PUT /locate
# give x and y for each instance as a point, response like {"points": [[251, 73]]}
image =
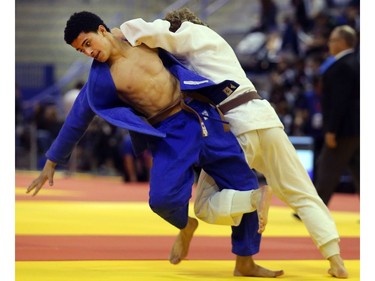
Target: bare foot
{"points": [[337, 269], [245, 266], [181, 245], [261, 201]]}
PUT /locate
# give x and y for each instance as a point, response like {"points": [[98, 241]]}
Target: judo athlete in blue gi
{"points": [[146, 91]]}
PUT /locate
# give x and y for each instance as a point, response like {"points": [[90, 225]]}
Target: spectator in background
{"points": [[48, 126], [19, 116], [87, 159], [268, 11], [268, 20], [108, 160], [70, 96], [341, 114], [68, 100], [18, 105], [136, 168], [290, 40], [301, 15], [22, 135], [350, 15], [91, 157]]}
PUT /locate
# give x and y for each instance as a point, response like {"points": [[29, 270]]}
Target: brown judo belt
{"points": [[166, 112], [172, 109], [180, 104], [241, 99]]}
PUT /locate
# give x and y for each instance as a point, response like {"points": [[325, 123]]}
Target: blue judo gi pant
{"points": [[219, 154]]}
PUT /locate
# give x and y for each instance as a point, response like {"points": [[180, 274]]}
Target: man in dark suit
{"points": [[341, 117]]}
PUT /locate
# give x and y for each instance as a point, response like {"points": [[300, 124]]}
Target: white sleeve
{"points": [[198, 47], [187, 39]]}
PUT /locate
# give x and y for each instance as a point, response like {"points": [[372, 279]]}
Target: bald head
{"points": [[342, 38]]}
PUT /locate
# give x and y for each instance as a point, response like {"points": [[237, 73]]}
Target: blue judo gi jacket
{"points": [[99, 97]]}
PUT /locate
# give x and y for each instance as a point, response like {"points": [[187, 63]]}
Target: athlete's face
{"points": [[93, 44]]}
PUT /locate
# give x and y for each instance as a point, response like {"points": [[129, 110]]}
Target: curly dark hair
{"points": [[82, 22], [177, 17]]}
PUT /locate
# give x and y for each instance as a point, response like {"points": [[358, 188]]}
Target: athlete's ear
{"points": [[102, 29]]}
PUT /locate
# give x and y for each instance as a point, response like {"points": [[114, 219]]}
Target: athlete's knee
{"points": [[171, 211], [164, 205], [216, 208]]}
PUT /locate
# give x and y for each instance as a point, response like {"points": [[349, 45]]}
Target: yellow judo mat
{"points": [[93, 218], [163, 271], [100, 218]]}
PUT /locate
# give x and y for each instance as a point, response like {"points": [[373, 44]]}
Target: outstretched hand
{"points": [[46, 174]]}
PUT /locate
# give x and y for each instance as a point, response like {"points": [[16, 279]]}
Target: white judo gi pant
{"points": [[279, 163]]}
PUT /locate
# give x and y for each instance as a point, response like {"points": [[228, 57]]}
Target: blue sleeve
{"points": [[73, 129]]}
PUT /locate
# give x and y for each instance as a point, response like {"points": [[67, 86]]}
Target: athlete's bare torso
{"points": [[142, 81]]}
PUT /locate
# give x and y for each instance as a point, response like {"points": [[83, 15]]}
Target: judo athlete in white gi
{"points": [[128, 85], [256, 126]]}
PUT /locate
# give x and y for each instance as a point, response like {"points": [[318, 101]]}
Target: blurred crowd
{"points": [[104, 149], [285, 57], [282, 56]]}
